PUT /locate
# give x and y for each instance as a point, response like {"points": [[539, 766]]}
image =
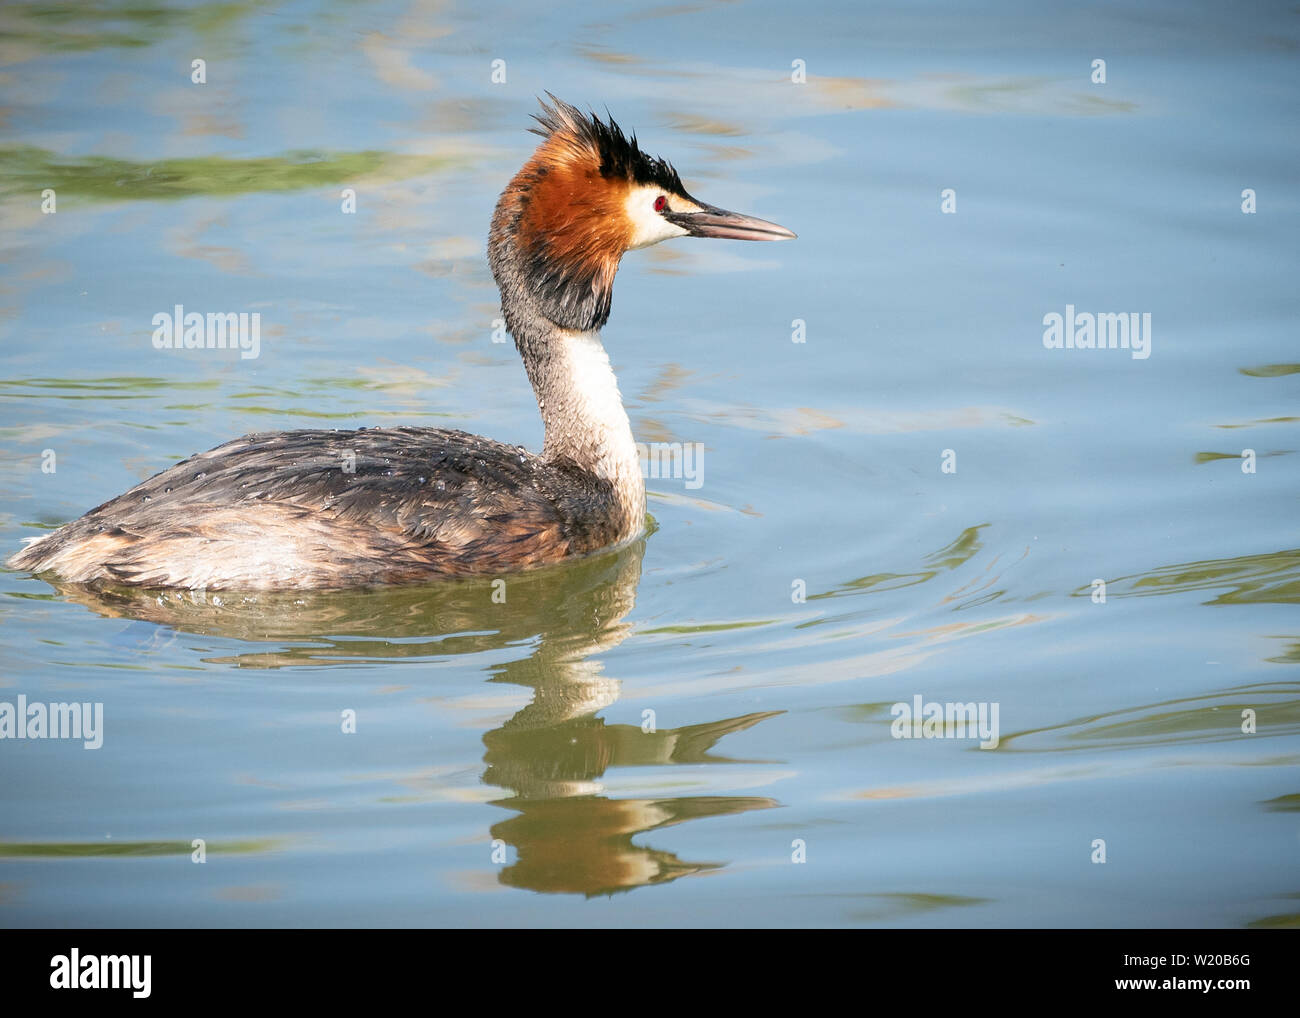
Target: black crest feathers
{"points": [[619, 155]]}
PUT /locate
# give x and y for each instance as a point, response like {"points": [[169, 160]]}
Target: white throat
{"points": [[584, 416]]}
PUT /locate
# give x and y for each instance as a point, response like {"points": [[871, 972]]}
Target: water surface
{"points": [[502, 770]]}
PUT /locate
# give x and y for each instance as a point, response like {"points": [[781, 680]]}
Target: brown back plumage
{"points": [[279, 510]]}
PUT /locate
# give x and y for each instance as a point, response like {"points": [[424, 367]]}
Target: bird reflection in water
{"points": [[567, 836]]}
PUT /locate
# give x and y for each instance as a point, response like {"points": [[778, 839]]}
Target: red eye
{"points": [[661, 203]]}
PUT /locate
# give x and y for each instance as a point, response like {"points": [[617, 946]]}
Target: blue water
{"points": [[501, 771]]}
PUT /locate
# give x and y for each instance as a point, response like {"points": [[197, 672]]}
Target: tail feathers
{"points": [[29, 555], [71, 552]]}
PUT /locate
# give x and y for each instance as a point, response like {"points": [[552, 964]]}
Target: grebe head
{"points": [[588, 195]]}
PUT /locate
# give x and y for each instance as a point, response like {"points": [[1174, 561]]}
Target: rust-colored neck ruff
{"points": [[558, 234]]}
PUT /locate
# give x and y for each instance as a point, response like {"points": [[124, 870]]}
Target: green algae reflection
{"points": [[86, 849], [100, 24], [25, 169], [1273, 578], [964, 548]]}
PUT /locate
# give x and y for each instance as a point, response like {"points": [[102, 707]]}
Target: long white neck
{"points": [[582, 410]]}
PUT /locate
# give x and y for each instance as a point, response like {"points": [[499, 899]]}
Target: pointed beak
{"points": [[713, 222]]}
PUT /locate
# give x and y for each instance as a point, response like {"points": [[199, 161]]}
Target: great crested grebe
{"points": [[326, 509]]}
